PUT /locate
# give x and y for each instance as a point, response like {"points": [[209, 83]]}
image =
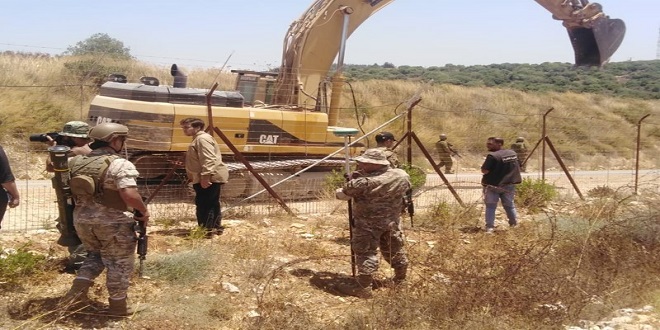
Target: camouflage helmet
{"points": [[520, 139], [78, 129], [107, 131], [443, 136]]}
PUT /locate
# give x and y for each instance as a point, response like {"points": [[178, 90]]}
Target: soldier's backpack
{"points": [[87, 174]]}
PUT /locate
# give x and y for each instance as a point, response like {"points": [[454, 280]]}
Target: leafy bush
{"points": [[334, 180], [534, 194], [417, 175], [17, 265]]}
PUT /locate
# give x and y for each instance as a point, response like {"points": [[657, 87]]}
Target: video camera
{"points": [[60, 139]]}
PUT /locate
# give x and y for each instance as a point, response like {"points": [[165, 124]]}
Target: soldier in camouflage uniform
{"points": [[377, 195], [384, 142], [74, 135], [106, 232], [521, 150], [445, 151]]}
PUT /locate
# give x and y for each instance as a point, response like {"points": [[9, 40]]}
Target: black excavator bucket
{"points": [[595, 46]]}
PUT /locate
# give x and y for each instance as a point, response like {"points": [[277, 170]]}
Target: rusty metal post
{"points": [[639, 131], [563, 167], [409, 131], [409, 136], [543, 136], [238, 155]]}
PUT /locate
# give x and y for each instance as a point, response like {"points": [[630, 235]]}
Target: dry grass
{"points": [[555, 269], [582, 126]]}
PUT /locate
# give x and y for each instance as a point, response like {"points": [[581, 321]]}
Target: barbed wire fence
{"points": [[38, 209]]}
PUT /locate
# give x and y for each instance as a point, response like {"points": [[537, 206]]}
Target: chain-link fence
{"points": [[174, 201]]}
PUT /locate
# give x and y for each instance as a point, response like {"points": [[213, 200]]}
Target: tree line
{"points": [[632, 79]]}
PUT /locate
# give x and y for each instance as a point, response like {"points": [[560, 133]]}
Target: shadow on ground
{"points": [[47, 311], [178, 232], [325, 281]]}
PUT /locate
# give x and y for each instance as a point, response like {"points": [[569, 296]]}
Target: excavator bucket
{"points": [[594, 46]]}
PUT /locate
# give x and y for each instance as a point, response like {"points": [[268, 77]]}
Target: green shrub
{"points": [[17, 265], [334, 180], [181, 268], [417, 175], [534, 194]]}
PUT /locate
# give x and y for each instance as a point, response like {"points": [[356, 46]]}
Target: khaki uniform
{"points": [[377, 204], [203, 159], [107, 233], [521, 150], [445, 151]]}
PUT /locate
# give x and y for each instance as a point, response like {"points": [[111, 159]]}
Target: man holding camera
{"points": [[74, 136]]}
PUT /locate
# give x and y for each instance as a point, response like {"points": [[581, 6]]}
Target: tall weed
{"points": [[534, 194]]}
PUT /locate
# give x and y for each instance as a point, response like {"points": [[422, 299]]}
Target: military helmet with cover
{"points": [[520, 139], [107, 131], [443, 136], [75, 128]]}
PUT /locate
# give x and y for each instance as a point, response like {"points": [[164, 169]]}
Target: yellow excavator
{"points": [[285, 120]]}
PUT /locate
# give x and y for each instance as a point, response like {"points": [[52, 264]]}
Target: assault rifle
{"points": [[142, 239]]}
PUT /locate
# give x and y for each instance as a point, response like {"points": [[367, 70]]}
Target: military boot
{"points": [[77, 293], [360, 288], [399, 275], [119, 307]]}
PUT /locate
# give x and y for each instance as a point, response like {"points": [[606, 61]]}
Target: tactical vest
{"points": [[87, 176]]}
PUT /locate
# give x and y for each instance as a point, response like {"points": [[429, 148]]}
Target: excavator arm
{"points": [[594, 36], [312, 43], [314, 40]]}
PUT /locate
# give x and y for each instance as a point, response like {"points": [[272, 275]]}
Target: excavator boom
{"points": [[594, 36], [313, 41]]}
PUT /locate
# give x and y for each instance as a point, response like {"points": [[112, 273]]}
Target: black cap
{"points": [[384, 136]]}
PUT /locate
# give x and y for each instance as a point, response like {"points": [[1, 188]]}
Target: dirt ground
{"points": [[258, 268]]}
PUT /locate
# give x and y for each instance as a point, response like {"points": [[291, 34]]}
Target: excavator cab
{"points": [[594, 46], [256, 87]]}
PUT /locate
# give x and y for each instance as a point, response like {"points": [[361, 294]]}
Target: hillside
{"points": [[589, 129], [570, 262], [638, 79]]}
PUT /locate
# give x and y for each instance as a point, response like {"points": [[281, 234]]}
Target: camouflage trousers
{"points": [[447, 162], [111, 246], [367, 241]]}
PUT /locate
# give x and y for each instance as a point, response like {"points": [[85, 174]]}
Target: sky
{"points": [[250, 33]]}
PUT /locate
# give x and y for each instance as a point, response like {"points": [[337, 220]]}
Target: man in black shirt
{"points": [[501, 172], [9, 195]]}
